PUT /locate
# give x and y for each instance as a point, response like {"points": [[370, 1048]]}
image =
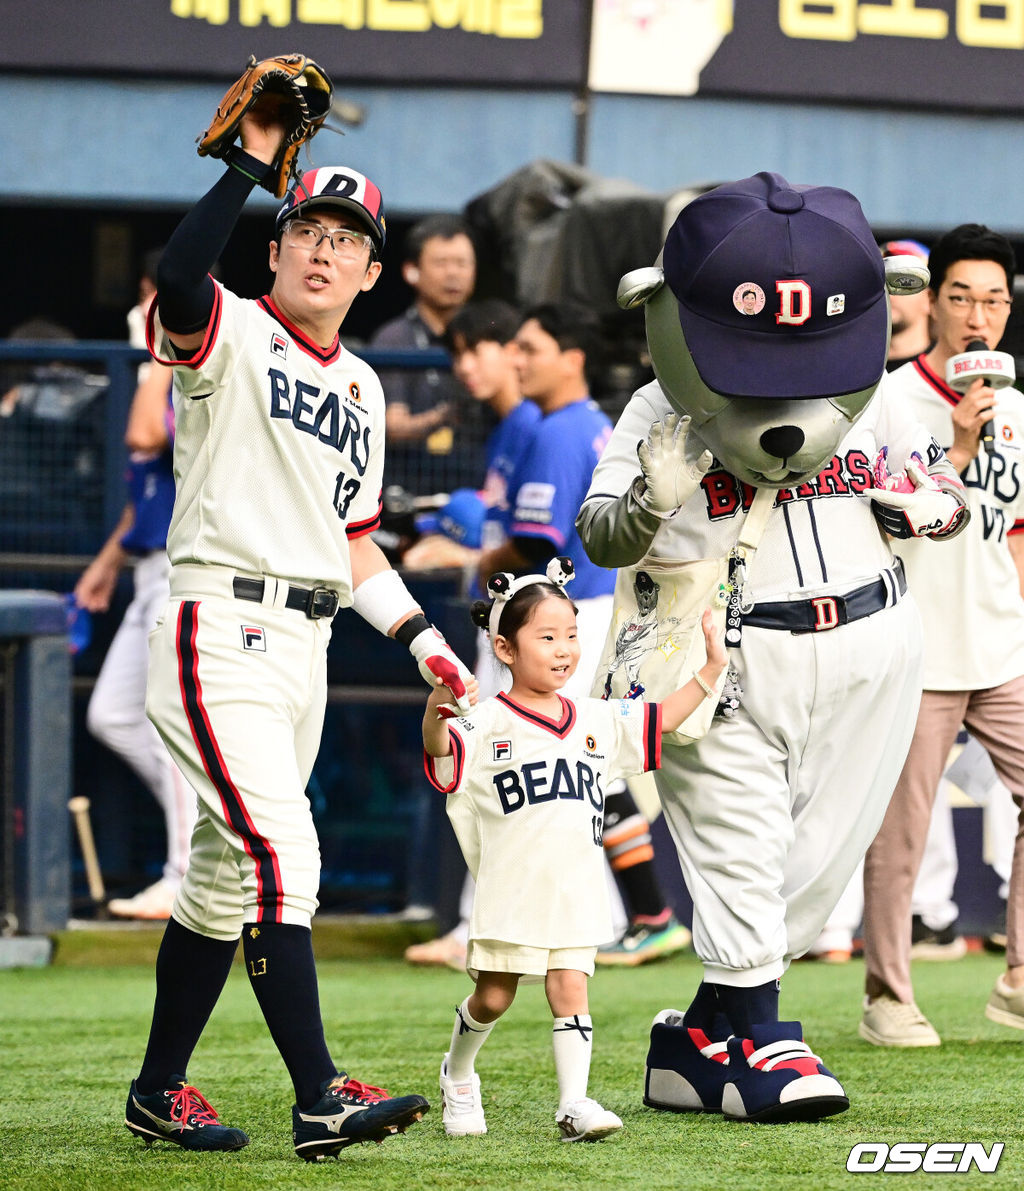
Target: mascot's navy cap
{"points": [[780, 288]]}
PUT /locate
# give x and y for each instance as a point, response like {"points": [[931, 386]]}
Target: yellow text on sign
{"points": [[978, 23], [499, 18]]}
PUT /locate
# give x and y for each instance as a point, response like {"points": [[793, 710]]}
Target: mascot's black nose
{"points": [[782, 441]]}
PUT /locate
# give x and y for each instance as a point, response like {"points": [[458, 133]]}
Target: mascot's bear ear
{"points": [[640, 285], [903, 275]]}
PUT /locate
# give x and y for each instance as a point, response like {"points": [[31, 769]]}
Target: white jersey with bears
{"points": [[526, 799], [279, 448], [821, 536], [973, 627]]}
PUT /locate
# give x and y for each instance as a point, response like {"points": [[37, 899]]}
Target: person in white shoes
{"points": [[525, 774]]}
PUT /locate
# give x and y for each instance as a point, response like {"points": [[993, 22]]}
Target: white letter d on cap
{"points": [[794, 302]]}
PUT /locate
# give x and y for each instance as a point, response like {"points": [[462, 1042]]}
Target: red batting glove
{"points": [[436, 659]]}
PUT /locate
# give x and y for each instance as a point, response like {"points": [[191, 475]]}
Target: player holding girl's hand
{"points": [[525, 774]]}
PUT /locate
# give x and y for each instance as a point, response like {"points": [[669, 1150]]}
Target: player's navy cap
{"points": [[780, 289], [337, 186]]}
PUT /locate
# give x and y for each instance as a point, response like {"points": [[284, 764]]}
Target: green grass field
{"points": [[72, 1038]]}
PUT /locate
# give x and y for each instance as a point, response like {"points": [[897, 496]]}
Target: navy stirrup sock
{"points": [[282, 972], [190, 973]]}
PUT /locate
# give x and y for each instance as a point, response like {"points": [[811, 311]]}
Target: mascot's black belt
{"points": [[829, 612], [316, 602]]}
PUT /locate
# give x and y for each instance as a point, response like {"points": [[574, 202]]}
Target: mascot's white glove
{"points": [[914, 504], [668, 478], [436, 659]]}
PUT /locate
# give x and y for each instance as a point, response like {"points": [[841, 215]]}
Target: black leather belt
{"points": [[315, 602], [829, 612]]}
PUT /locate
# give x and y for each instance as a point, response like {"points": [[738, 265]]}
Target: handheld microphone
{"points": [[995, 368]]}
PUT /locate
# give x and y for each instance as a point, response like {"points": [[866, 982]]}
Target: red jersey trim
{"points": [[932, 378], [359, 529], [559, 728], [652, 736], [202, 353], [529, 529], [302, 341], [459, 757]]}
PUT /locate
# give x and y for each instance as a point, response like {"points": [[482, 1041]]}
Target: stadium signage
{"points": [[869, 51], [537, 43]]}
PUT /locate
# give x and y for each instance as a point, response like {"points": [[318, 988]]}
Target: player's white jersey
{"points": [[526, 799], [821, 536], [968, 589], [279, 448]]}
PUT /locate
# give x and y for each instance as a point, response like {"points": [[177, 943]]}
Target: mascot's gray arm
{"points": [[616, 531]]}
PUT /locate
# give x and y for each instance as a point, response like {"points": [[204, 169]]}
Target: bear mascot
{"points": [[768, 324]]}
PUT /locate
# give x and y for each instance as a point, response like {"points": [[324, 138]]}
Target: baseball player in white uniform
{"points": [[278, 461], [769, 812], [526, 775], [973, 615]]}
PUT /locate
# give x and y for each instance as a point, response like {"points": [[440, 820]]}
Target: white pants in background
{"points": [[117, 712]]}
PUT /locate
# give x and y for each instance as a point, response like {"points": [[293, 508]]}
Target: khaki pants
{"points": [[995, 717]]}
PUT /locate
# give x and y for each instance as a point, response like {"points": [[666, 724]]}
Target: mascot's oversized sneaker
{"points": [[774, 1077], [686, 1069]]}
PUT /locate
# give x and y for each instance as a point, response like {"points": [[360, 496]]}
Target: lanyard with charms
{"points": [[733, 592]]}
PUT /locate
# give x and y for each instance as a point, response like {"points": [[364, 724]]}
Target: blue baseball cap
{"points": [[461, 519], [780, 290]]}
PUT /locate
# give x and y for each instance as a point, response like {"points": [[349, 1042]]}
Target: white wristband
{"points": [[383, 600]]}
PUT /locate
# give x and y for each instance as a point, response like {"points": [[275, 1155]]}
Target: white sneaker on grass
{"points": [[888, 1022], [462, 1110], [586, 1120]]}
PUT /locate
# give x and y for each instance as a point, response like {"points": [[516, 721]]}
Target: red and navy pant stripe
{"points": [[269, 891]]}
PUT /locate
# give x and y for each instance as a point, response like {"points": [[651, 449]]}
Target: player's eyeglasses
{"points": [[345, 242], [961, 305]]}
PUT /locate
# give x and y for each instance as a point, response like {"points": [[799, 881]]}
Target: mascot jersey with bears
{"points": [[768, 325]]}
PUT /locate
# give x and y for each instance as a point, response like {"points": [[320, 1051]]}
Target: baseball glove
{"points": [[300, 94]]}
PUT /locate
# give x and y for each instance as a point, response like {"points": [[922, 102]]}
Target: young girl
{"points": [[525, 774]]}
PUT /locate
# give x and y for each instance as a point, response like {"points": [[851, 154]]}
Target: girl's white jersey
{"points": [[278, 451], [526, 799]]}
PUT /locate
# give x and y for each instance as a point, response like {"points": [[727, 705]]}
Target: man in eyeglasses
{"points": [[973, 614], [279, 456]]}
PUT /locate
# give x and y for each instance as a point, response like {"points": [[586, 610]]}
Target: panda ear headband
{"points": [[502, 586]]}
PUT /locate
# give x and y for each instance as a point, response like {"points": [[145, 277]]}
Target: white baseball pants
{"points": [[117, 711], [238, 692], [773, 809]]}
